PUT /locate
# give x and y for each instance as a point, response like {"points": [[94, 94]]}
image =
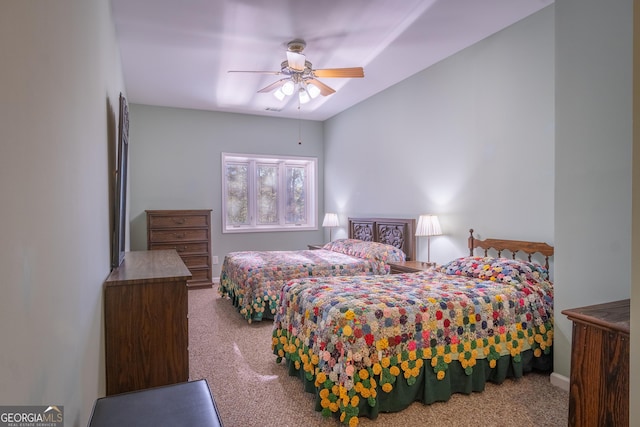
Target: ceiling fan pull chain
{"points": [[299, 125]]}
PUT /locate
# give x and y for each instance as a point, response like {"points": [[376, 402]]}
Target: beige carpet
{"points": [[250, 389]]}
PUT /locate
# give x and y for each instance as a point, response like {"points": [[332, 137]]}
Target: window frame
{"points": [[310, 165]]}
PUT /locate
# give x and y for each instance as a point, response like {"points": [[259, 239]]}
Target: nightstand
{"points": [[314, 247], [409, 267], [599, 381]]}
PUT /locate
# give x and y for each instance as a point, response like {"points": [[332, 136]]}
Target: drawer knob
{"points": [[179, 220], [179, 235]]}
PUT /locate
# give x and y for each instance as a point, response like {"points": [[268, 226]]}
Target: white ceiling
{"points": [[178, 53]]}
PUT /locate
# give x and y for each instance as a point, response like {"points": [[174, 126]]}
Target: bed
{"points": [[372, 344], [252, 280]]}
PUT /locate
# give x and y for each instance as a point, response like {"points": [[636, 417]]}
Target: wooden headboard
{"points": [[513, 246], [400, 233]]}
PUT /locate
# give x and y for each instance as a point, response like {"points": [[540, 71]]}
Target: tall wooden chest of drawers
{"points": [[146, 323], [189, 233]]}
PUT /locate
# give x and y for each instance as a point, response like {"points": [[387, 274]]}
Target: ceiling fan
{"points": [[301, 77]]}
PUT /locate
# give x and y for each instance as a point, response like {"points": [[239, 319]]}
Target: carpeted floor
{"points": [[250, 389]]}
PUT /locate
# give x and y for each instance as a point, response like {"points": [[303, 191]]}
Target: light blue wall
{"points": [[593, 158], [470, 139], [175, 157], [60, 80]]}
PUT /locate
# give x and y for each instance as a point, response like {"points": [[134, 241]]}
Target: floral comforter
{"points": [[253, 279], [356, 337]]}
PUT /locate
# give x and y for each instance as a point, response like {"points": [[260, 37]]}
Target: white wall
{"points": [[593, 159], [175, 162], [470, 139], [60, 79]]}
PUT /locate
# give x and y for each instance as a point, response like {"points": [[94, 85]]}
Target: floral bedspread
{"points": [[355, 337], [253, 279]]}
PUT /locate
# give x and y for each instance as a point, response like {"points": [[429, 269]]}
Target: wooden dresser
{"points": [[599, 383], [146, 325], [189, 233]]}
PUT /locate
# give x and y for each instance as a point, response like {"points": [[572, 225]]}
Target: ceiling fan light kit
{"points": [[300, 74]]}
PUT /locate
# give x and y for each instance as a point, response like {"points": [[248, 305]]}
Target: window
{"points": [[268, 193]]}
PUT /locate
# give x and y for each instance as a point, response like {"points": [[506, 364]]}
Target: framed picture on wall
{"points": [[122, 161]]}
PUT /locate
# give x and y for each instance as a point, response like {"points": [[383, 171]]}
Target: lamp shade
{"points": [[288, 88], [313, 90], [330, 220], [428, 225], [303, 95]]}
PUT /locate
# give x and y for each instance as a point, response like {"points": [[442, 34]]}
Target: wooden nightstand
{"points": [[314, 247], [599, 383], [409, 267]]}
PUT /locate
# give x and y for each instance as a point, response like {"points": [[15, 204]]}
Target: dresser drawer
{"points": [[178, 221], [196, 261], [183, 249], [200, 275], [186, 235]]}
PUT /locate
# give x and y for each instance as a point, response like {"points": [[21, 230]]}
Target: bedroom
{"points": [[574, 200]]}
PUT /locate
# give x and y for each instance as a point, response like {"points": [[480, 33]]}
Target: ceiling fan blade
{"points": [[324, 89], [296, 60], [276, 73], [339, 72], [273, 86]]}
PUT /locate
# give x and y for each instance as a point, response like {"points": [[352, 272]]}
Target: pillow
{"points": [[505, 270], [367, 250]]}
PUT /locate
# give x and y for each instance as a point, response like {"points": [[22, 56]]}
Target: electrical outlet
{"points": [[214, 259]]}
